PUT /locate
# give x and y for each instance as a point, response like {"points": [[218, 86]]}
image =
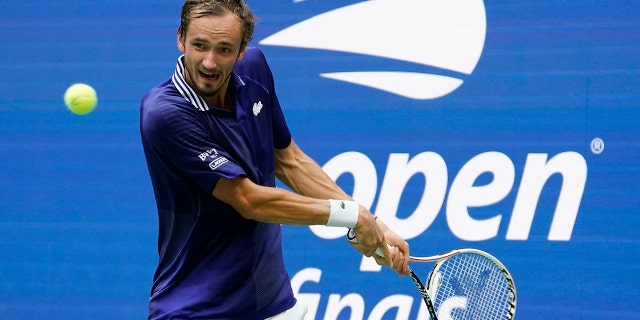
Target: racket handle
{"points": [[351, 235]]}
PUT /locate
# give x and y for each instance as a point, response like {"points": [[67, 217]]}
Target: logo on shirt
{"points": [[217, 162], [209, 153], [257, 107], [213, 154]]}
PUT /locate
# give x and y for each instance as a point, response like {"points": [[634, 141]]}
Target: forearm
{"points": [[280, 206], [274, 205], [304, 176], [284, 207]]}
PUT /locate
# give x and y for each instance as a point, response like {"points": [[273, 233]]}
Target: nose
{"points": [[209, 61]]}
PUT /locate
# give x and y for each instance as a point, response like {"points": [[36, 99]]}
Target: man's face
{"points": [[211, 48]]}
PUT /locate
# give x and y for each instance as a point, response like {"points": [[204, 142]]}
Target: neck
{"points": [[228, 104], [222, 101]]}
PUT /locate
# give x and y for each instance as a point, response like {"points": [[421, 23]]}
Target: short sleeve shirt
{"points": [[213, 263]]}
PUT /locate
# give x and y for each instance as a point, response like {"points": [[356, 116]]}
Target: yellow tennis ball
{"points": [[80, 98]]}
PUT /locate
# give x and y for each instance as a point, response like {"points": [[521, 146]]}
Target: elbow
{"points": [[252, 206], [241, 194], [250, 200], [247, 208]]}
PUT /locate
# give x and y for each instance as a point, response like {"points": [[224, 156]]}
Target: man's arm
{"points": [[307, 206], [276, 205], [303, 175]]}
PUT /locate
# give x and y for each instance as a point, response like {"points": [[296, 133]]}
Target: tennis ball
{"points": [[80, 98]]}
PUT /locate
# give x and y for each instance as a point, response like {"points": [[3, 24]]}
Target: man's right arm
{"points": [[275, 205]]}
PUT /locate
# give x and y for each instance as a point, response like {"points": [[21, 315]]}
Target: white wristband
{"points": [[343, 213]]}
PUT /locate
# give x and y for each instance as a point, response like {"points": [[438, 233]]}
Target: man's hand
{"points": [[369, 234], [399, 250], [393, 251]]}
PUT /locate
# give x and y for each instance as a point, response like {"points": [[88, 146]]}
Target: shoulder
{"points": [[253, 56], [164, 93], [254, 66], [163, 107]]}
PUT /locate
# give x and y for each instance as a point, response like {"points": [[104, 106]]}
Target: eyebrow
{"points": [[201, 39]]}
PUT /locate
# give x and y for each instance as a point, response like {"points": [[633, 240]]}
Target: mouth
{"points": [[209, 76]]}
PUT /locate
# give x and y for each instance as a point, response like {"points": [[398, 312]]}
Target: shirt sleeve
{"points": [[182, 145], [255, 65], [281, 133]]}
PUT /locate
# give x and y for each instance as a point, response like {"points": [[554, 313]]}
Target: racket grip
{"points": [[351, 235]]}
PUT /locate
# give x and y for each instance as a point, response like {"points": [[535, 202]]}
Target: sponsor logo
{"points": [[217, 162], [209, 153], [446, 36], [217, 159]]}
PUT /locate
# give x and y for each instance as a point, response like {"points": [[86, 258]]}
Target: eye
{"points": [[199, 45]]}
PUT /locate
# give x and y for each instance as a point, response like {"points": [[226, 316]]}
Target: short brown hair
{"points": [[201, 8]]}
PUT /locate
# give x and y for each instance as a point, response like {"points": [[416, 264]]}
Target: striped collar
{"points": [[185, 90]]}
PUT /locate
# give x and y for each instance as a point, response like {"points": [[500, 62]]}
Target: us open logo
{"points": [[446, 36]]}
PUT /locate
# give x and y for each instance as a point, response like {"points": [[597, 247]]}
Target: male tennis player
{"points": [[215, 139]]}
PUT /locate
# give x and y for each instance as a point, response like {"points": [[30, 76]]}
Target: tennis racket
{"points": [[465, 284]]}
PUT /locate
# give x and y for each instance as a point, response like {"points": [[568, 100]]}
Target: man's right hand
{"points": [[370, 237]]}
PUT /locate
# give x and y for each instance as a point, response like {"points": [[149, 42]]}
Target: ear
{"points": [[180, 41], [241, 54]]}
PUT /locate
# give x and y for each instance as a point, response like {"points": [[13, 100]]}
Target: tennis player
{"points": [[215, 139]]}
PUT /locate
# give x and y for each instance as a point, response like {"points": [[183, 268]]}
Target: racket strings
{"points": [[470, 286]]}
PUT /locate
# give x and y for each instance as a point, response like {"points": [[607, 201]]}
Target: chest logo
{"points": [[257, 107]]}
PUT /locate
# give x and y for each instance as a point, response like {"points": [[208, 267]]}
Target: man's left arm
{"points": [[304, 176]]}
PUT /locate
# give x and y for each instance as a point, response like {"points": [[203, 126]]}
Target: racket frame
{"points": [[440, 259]]}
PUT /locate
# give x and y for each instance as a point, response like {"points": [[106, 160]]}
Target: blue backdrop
{"points": [[513, 128]]}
